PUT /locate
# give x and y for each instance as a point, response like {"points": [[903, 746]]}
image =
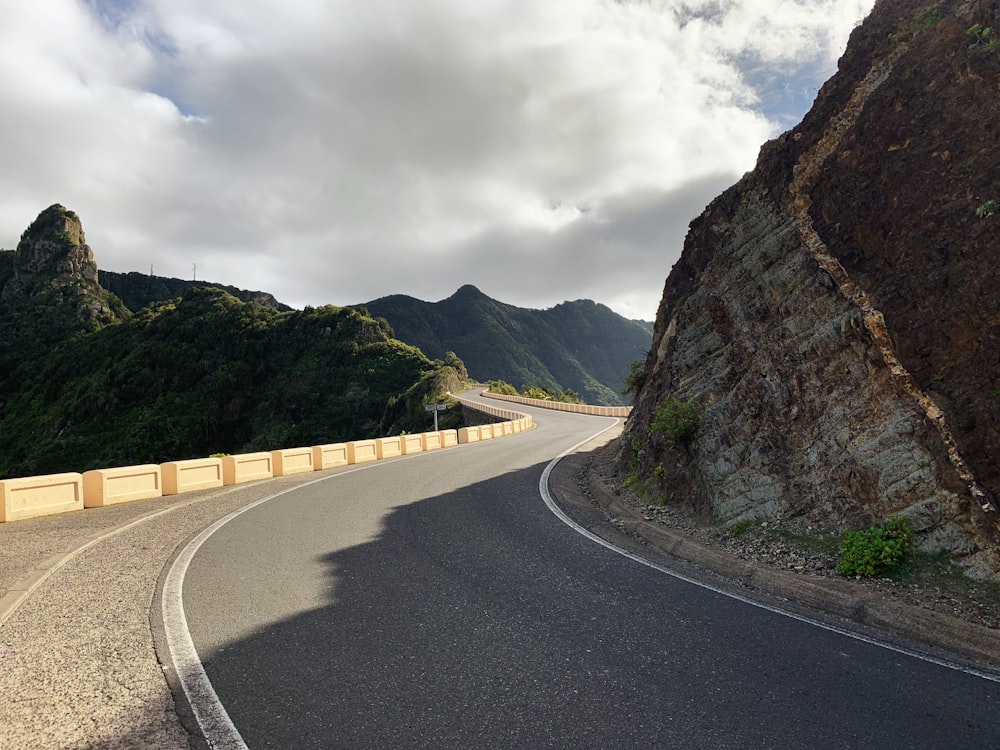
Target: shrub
{"points": [[638, 374], [987, 209], [876, 550], [502, 387], [678, 420]]}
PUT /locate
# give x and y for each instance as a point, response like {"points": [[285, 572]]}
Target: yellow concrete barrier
{"points": [[430, 441], [449, 438], [291, 461], [192, 475], [468, 435], [121, 485], [361, 451], [246, 467], [412, 444], [508, 428], [389, 447], [40, 496], [329, 456]]}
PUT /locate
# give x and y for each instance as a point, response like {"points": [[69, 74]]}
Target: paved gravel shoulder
{"points": [[77, 663]]}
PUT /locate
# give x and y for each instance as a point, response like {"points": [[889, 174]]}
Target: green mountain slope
{"points": [[137, 290], [578, 345], [203, 374]]}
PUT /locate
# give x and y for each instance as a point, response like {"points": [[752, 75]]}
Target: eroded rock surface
{"points": [[835, 313]]}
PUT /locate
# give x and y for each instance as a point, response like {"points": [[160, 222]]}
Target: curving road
{"points": [[436, 602]]}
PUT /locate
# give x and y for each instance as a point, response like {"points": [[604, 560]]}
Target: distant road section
{"points": [[435, 602]]}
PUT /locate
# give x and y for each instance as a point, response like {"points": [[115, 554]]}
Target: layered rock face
{"points": [[835, 314], [54, 264]]}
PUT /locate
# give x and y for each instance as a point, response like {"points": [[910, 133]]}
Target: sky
{"points": [[335, 151]]}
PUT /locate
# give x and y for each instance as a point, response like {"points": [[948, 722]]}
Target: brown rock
{"points": [[835, 312]]}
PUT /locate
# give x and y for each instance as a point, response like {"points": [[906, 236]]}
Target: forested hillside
{"points": [[581, 345], [87, 383], [137, 290]]}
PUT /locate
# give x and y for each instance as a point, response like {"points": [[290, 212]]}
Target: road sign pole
{"points": [[435, 408]]}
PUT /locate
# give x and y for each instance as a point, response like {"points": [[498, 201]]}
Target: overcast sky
{"points": [[335, 151]]}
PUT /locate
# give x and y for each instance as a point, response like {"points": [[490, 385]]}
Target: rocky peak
{"points": [[53, 267], [834, 314], [55, 242]]}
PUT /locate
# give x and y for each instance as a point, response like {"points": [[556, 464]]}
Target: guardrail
{"points": [[596, 411], [30, 497]]}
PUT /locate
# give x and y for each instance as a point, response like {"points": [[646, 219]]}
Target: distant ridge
{"points": [[579, 345], [137, 290]]}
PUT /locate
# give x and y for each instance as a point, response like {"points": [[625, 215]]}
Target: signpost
{"points": [[435, 408]]}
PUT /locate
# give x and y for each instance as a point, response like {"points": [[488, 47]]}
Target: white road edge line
{"points": [[216, 726], [543, 489], [213, 719]]}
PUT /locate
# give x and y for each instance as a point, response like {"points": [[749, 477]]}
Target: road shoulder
{"points": [[582, 489]]}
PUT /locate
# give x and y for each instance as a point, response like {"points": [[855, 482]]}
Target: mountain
{"points": [[137, 290], [87, 383], [834, 315], [582, 346], [49, 290]]}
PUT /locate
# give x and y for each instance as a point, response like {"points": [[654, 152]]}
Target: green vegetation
{"points": [[984, 38], [503, 388], [677, 420], [930, 15], [879, 550], [208, 374], [548, 394], [987, 209], [542, 394], [635, 381], [137, 290], [576, 346], [741, 527], [86, 383]]}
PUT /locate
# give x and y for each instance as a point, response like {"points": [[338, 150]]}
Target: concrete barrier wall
{"points": [[329, 456], [361, 451], [29, 497], [389, 447], [291, 461], [122, 485], [412, 444], [430, 441], [190, 476], [599, 411], [468, 435], [246, 467]]}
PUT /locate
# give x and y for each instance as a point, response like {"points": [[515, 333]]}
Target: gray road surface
{"points": [[436, 603]]}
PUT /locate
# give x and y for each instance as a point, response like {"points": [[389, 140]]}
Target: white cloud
{"points": [[331, 152]]}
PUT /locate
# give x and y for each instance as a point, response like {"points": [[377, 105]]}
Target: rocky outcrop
{"points": [[834, 313], [54, 266]]}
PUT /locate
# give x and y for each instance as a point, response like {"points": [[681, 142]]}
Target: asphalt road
{"points": [[435, 602]]}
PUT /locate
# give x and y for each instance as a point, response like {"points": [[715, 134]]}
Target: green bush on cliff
{"points": [[677, 420], [880, 549]]}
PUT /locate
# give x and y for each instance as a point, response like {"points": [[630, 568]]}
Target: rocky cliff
{"points": [[834, 315], [49, 290]]}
